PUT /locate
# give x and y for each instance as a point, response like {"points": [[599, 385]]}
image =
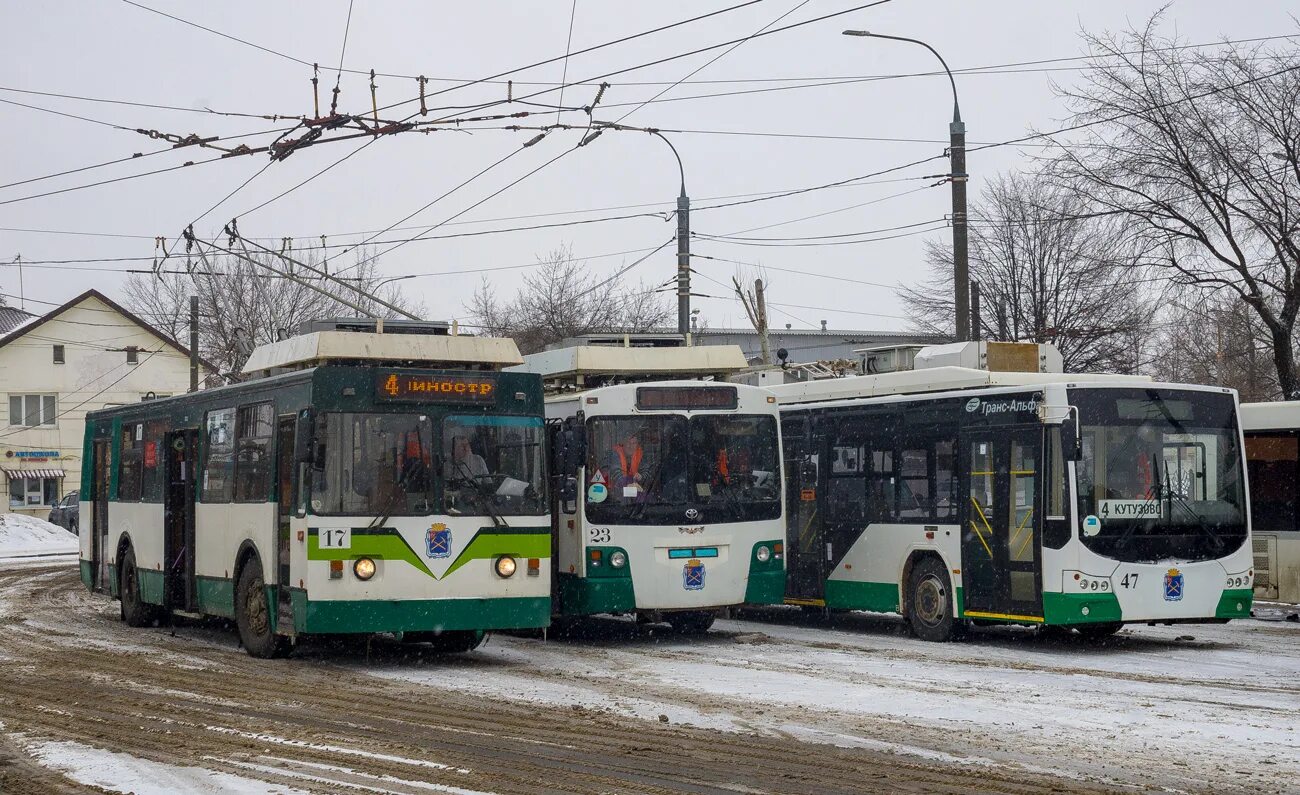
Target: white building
{"points": [[84, 355]]}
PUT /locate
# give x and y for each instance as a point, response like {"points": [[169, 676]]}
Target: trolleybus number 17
{"points": [[335, 537]]}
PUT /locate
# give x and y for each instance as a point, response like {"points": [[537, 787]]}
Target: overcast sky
{"points": [[109, 49]]}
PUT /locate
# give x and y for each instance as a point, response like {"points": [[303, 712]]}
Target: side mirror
{"points": [[1071, 449]]}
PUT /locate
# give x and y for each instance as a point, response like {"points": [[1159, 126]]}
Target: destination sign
{"points": [[435, 388]]}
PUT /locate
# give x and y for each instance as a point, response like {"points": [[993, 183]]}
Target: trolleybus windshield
{"points": [[1160, 475], [657, 469], [375, 465], [494, 465]]}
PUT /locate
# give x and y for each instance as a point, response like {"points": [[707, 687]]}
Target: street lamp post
{"points": [[957, 176], [683, 245]]}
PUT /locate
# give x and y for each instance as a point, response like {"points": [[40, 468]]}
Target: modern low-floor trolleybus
{"points": [[667, 483], [977, 487], [1273, 461], [356, 482]]}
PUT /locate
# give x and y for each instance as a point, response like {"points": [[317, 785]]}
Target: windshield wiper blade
{"points": [[485, 499], [1219, 543]]}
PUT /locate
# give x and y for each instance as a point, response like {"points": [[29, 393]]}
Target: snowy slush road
{"points": [[783, 704]]}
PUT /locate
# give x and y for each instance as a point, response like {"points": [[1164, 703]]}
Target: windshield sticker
{"points": [[1131, 509], [1173, 586], [1091, 525], [597, 492]]}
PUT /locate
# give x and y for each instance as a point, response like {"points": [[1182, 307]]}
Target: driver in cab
{"points": [[464, 463], [629, 467]]}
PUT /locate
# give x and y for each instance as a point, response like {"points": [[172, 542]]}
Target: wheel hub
{"points": [[931, 601]]}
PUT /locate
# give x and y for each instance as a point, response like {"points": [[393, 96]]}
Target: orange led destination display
{"points": [[435, 388]]}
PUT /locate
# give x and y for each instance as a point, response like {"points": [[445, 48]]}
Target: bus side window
{"points": [[1056, 526]]}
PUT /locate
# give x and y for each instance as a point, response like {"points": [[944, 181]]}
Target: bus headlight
{"points": [[763, 554], [618, 559], [505, 566], [364, 568]]}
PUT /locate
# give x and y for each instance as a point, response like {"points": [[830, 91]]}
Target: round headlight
{"points": [[618, 560], [364, 568], [506, 566], [763, 554]]}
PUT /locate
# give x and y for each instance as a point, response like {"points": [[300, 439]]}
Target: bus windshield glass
{"points": [[670, 470], [1161, 471], [374, 465], [493, 465]]}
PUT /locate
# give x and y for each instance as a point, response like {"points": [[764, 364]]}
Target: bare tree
{"points": [[1048, 271], [563, 299], [1201, 151], [1207, 338], [243, 304]]}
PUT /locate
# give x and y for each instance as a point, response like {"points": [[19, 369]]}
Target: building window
{"points": [[58, 354], [32, 410], [132, 354], [29, 492]]}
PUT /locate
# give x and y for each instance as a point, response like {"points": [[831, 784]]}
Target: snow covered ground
{"points": [[1170, 707], [25, 536]]}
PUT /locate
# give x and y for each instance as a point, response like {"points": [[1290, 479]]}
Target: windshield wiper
{"points": [[485, 499], [1183, 502], [1122, 541]]}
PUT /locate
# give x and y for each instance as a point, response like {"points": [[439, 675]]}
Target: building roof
{"points": [[11, 317], [37, 321]]}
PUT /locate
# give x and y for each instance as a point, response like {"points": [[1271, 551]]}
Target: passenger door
{"points": [[180, 456], [1002, 524], [805, 555], [284, 495], [100, 467]]}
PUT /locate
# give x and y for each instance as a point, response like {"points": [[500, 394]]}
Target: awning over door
{"points": [[33, 473]]}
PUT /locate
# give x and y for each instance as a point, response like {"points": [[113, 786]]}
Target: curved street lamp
{"points": [[958, 178]]}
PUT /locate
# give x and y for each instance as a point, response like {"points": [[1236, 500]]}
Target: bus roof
{"points": [[420, 350], [1280, 415], [575, 363], [933, 379]]}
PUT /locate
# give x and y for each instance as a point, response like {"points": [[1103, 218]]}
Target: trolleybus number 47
{"points": [[1130, 580]]}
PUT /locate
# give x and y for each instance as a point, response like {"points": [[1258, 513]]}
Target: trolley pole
{"points": [[194, 343]]}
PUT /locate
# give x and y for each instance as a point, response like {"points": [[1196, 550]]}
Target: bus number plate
{"points": [[336, 538]]}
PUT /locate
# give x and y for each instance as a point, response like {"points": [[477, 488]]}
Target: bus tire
{"points": [[454, 642], [253, 615], [135, 611], [691, 622], [1098, 631], [930, 610]]}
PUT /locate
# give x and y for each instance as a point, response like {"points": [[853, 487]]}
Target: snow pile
{"points": [[22, 536]]}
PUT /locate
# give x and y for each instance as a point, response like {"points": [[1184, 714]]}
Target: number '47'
{"points": [[1130, 580]]}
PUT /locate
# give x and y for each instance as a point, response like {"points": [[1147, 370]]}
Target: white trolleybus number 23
{"points": [[669, 501], [355, 493], [1077, 501]]}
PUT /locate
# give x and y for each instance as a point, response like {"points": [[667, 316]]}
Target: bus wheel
{"points": [[930, 608], [691, 622], [253, 616], [455, 642], [1096, 631], [135, 612]]}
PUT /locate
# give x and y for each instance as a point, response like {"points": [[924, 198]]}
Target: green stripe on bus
{"points": [[1062, 608], [877, 597], [1235, 603], [416, 615], [388, 544]]}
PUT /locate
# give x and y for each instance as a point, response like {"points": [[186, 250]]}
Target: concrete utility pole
{"points": [[194, 343], [958, 177], [756, 308], [683, 244]]}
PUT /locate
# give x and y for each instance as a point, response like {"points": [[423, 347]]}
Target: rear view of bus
{"points": [[668, 495]]}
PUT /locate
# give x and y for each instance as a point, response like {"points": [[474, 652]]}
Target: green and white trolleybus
{"points": [[668, 499], [950, 493], [357, 482], [1273, 461]]}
